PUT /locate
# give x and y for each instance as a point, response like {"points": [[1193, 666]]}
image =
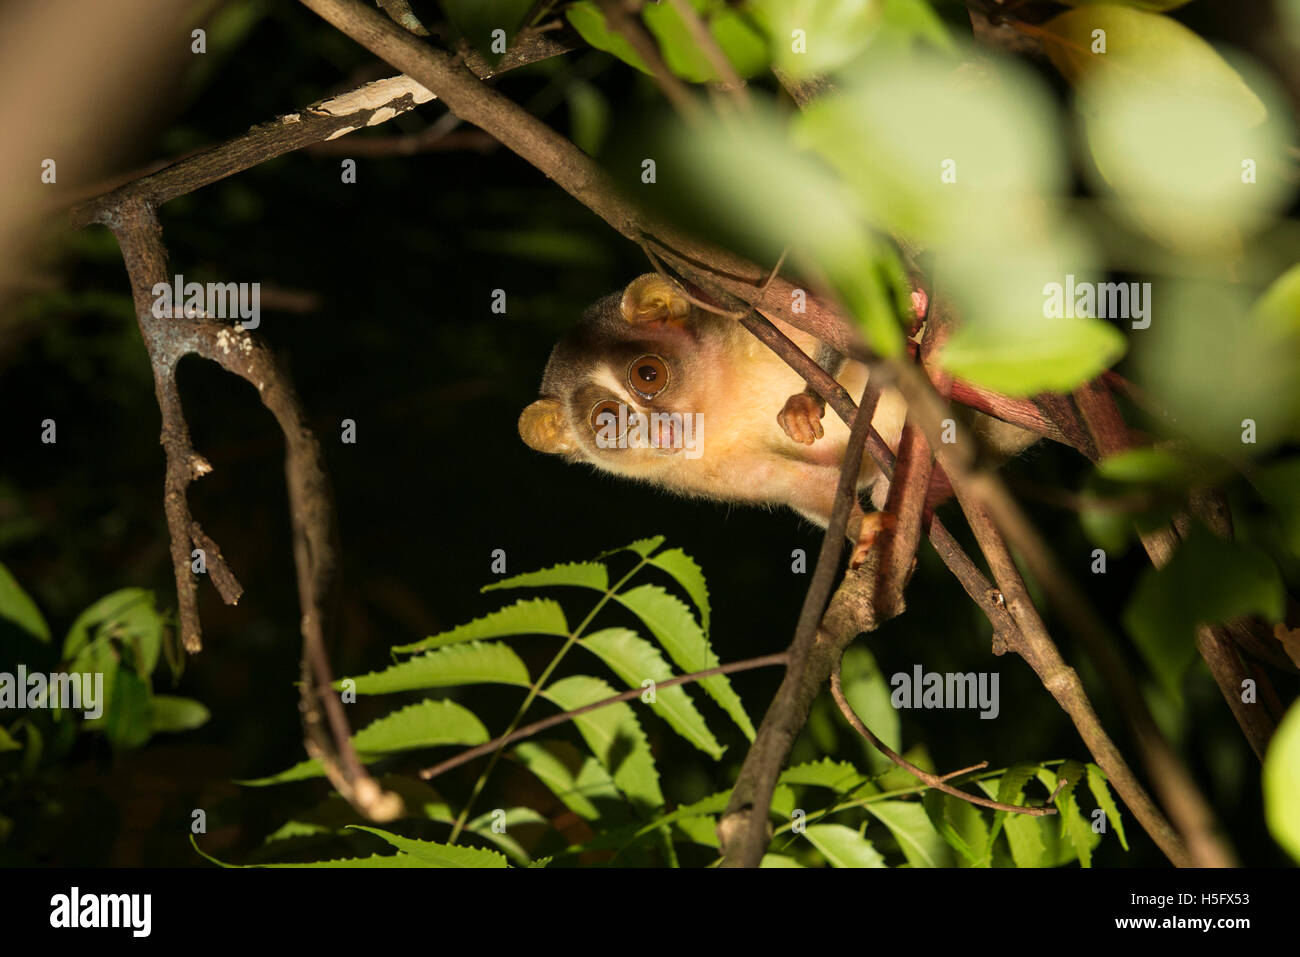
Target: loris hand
{"points": [[801, 418]]}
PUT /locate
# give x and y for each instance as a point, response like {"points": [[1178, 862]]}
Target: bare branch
{"points": [[937, 781]]}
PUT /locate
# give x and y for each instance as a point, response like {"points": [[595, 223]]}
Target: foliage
{"points": [[825, 812], [114, 646]]}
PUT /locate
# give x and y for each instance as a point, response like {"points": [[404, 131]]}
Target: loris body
{"points": [[761, 438]]}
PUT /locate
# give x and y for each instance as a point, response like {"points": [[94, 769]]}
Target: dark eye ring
{"points": [[600, 409], [648, 376]]}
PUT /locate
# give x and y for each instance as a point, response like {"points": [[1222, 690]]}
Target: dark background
{"points": [[397, 272]]}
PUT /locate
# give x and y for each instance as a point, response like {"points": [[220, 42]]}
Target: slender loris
{"points": [[651, 387]]}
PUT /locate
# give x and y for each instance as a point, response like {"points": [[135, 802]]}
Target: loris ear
{"points": [[652, 298], [543, 427]]}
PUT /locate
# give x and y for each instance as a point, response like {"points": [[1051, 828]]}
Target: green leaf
{"points": [[868, 691], [7, 741], [675, 628], [1147, 466], [905, 22], [717, 168], [843, 847], [1101, 794], [17, 607], [422, 725], [778, 860], [1281, 783], [1208, 581], [476, 20], [170, 713], [634, 659], [472, 663], [1010, 789], [1279, 485], [575, 778], [127, 720], [642, 546], [687, 573], [743, 46], [920, 843], [960, 825], [127, 615], [1169, 123], [438, 855], [614, 736], [1081, 836], [534, 616], [512, 818], [839, 776], [586, 17], [834, 32], [1046, 356], [582, 574]]}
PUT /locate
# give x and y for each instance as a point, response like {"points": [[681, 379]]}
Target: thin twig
{"points": [[529, 730], [937, 781]]}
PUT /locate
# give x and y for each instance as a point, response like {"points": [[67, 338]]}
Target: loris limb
{"points": [[800, 417]]}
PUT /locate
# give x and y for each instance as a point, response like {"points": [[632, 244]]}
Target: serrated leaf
{"points": [[675, 628], [1010, 790], [513, 817], [778, 860], [422, 725], [475, 662], [687, 573], [839, 776], [531, 616], [581, 574], [17, 607], [438, 855], [614, 736], [702, 830], [920, 843], [1073, 826], [578, 780], [966, 839], [634, 659], [843, 847], [1097, 784]]}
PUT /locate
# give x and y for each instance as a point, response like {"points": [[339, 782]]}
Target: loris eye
{"points": [[604, 414], [648, 376]]}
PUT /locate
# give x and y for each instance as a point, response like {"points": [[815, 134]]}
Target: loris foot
{"points": [[801, 418], [873, 523]]}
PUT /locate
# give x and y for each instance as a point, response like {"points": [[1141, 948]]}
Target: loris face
{"points": [[627, 388]]}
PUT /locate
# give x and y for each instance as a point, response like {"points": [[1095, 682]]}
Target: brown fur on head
{"points": [[646, 349]]}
